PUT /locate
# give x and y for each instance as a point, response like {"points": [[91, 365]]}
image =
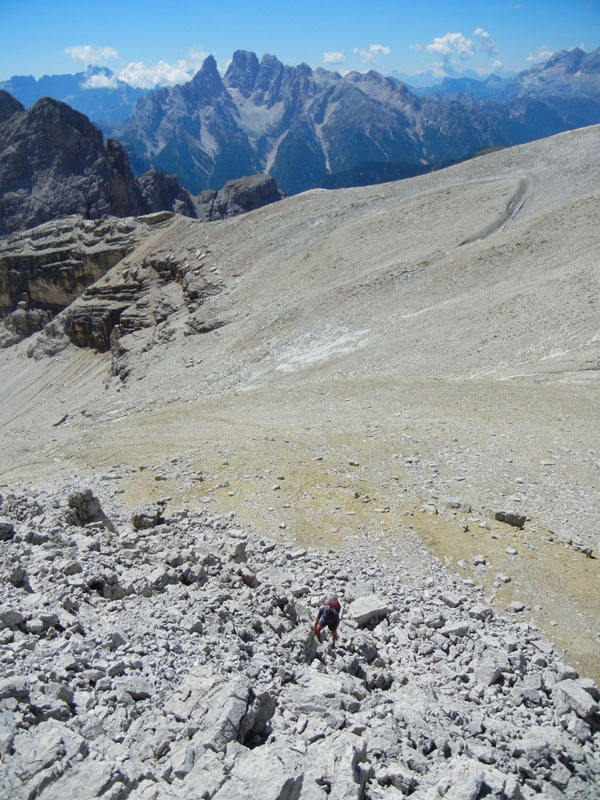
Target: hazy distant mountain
{"points": [[97, 93], [429, 82], [493, 87], [568, 82], [304, 126]]}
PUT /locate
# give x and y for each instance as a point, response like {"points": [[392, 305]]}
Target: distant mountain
{"points": [[303, 126], [493, 87], [97, 93], [568, 83]]}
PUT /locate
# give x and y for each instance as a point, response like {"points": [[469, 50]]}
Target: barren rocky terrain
{"points": [[382, 372]]}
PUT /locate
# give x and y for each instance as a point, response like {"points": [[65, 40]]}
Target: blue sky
{"points": [[157, 42]]}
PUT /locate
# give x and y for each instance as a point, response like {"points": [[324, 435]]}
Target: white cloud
{"points": [[497, 65], [438, 70], [417, 47], [364, 54], [379, 50], [102, 80], [143, 76], [543, 54], [487, 44], [444, 45], [368, 56], [333, 58], [90, 55]]}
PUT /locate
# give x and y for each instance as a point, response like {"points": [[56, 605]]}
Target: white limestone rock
{"points": [[365, 609]]}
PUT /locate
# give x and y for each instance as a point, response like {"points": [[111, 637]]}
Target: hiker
{"points": [[329, 615]]}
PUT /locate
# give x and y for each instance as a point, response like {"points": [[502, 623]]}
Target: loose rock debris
{"points": [[175, 659]]}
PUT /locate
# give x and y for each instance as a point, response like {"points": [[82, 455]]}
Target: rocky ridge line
{"points": [[45, 270], [164, 656], [308, 126], [54, 163]]}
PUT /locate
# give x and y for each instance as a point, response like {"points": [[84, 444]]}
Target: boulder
{"points": [[225, 711], [271, 772], [16, 687], [463, 780], [10, 617], [86, 506], [573, 695], [511, 518], [365, 609], [7, 530], [148, 515]]}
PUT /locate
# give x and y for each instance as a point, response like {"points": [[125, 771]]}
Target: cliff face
{"points": [[53, 162], [44, 270]]}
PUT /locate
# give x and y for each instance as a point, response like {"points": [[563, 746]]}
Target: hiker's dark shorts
{"points": [[332, 624]]}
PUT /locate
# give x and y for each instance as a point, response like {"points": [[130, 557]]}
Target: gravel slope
{"points": [[441, 333]]}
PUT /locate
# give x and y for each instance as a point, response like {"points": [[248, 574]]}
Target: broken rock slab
{"points": [[267, 773], [365, 609], [574, 695], [148, 515]]}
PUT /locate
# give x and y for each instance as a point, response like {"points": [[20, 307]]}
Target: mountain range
{"points": [[303, 125], [317, 128]]}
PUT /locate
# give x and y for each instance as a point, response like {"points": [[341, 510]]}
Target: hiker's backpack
{"points": [[332, 611]]}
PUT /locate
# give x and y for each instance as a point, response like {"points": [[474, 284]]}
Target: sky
{"points": [[153, 42]]}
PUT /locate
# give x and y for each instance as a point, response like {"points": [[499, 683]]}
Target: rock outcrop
{"points": [[44, 270], [237, 197], [141, 293], [162, 191], [53, 162], [175, 660]]}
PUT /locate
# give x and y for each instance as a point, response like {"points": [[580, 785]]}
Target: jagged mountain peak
{"points": [[206, 86], [53, 115], [8, 105], [302, 126], [569, 60], [241, 73], [270, 60]]}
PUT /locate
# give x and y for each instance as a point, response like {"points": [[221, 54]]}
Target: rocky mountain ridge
{"points": [[54, 163], [302, 125]]}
